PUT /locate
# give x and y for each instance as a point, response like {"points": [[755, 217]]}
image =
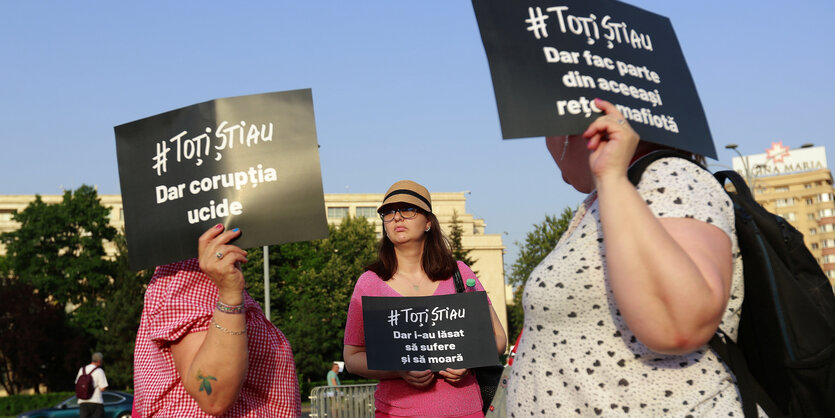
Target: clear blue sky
{"points": [[400, 89]]}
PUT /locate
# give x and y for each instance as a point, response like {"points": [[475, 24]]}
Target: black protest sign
{"points": [[550, 59], [248, 162], [430, 332]]}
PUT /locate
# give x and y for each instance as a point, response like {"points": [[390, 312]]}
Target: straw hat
{"points": [[407, 191]]}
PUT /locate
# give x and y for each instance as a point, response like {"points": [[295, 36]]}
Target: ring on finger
{"points": [[219, 255]]}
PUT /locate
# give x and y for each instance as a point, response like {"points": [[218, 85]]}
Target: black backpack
{"points": [[85, 385], [784, 357]]}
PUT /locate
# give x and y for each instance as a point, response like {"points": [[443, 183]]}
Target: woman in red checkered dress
{"points": [[204, 347]]}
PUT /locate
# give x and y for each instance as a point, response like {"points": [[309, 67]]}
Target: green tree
{"points": [[36, 345], [310, 289], [456, 231], [538, 243], [123, 310], [59, 250]]}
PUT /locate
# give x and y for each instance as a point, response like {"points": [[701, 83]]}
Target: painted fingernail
{"points": [[235, 230], [218, 226]]}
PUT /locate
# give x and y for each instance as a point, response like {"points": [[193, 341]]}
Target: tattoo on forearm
{"points": [[205, 382]]}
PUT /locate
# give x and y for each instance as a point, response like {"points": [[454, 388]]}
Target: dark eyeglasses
{"points": [[406, 213]]}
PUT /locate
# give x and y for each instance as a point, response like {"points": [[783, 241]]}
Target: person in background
{"points": [[93, 407], [619, 314], [333, 392], [414, 260], [333, 375], [204, 346]]}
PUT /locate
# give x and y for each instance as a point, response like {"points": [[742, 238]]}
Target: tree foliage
{"points": [[36, 345], [59, 250], [456, 232], [79, 298], [538, 243], [123, 310], [310, 288]]}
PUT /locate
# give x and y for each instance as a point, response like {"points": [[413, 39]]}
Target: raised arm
{"points": [[670, 277], [212, 364]]}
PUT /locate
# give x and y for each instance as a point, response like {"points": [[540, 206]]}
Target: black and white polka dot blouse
{"points": [[577, 357]]}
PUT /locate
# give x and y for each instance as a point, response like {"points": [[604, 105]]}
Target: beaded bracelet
{"points": [[230, 309], [227, 331]]}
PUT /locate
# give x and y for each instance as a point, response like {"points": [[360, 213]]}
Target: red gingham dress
{"points": [[180, 300]]}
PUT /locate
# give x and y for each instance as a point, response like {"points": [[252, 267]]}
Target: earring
{"points": [[428, 228], [564, 148]]}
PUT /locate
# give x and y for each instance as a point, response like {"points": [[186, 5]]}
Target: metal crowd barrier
{"points": [[349, 401]]}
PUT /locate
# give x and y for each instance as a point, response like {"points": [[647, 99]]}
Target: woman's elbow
{"points": [[215, 406], [678, 343]]}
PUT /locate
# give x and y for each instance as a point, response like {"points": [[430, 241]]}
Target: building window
{"points": [[829, 258], [828, 243], [827, 228], [5, 216], [830, 274], [825, 197], [368, 212], [781, 189], [810, 201], [790, 217], [781, 203], [810, 216], [814, 245], [813, 231], [807, 186], [825, 213], [337, 213]]}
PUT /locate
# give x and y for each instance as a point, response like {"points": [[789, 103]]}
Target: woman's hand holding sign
{"points": [[222, 263], [417, 378], [453, 375], [612, 143], [212, 364]]}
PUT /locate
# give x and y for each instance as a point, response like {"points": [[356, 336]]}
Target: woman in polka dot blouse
{"points": [[618, 315]]}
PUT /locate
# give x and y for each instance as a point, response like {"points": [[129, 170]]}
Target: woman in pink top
{"points": [[414, 260]]}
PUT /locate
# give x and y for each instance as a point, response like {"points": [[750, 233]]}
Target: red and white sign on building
{"points": [[779, 159]]}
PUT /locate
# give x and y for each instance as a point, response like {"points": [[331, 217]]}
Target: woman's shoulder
{"points": [[464, 268], [679, 173], [179, 278], [367, 282], [178, 267], [678, 188], [368, 276]]}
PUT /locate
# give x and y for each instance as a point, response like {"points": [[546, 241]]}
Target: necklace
{"points": [[416, 287]]}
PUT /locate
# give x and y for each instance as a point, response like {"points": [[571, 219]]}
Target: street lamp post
{"points": [[744, 162]]}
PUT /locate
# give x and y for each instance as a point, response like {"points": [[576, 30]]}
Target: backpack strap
{"points": [[84, 370], [741, 187], [750, 392], [732, 356], [457, 280], [637, 168]]}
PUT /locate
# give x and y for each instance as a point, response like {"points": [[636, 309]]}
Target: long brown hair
{"points": [[437, 260]]}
